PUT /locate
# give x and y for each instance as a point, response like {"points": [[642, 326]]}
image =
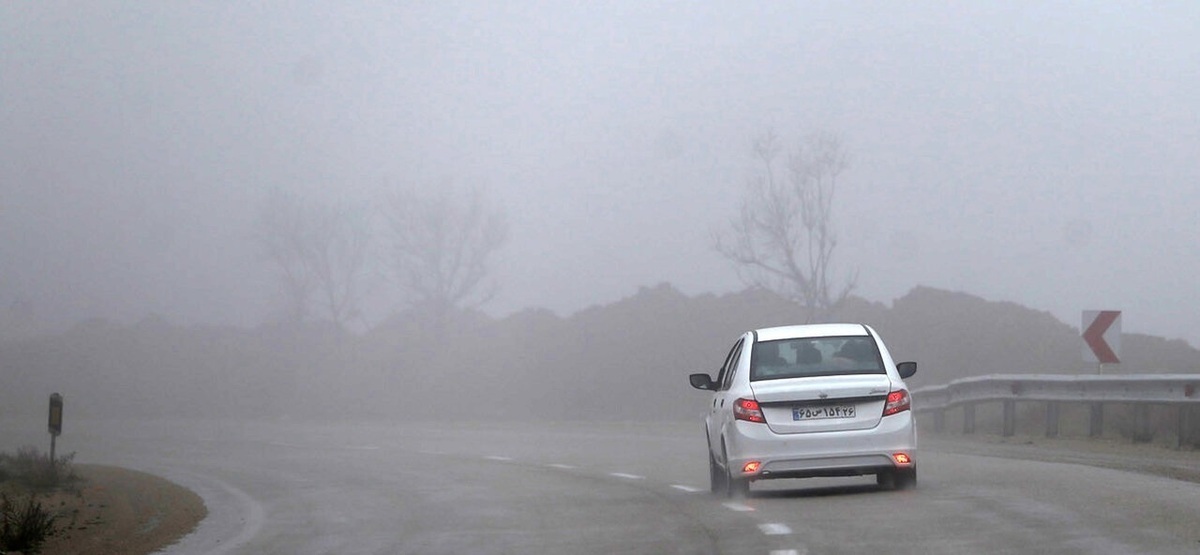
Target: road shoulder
{"points": [[1146, 458], [117, 511]]}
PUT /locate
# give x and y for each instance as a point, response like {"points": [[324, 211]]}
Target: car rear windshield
{"points": [[814, 356]]}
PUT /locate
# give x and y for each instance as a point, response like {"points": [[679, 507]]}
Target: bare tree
{"points": [[320, 253], [283, 233], [783, 238], [440, 246], [340, 244]]}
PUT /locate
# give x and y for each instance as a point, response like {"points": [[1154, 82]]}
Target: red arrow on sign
{"points": [[1094, 336]]}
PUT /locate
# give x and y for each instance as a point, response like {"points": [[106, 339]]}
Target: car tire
{"points": [[736, 488], [897, 479], [906, 479], [739, 488], [716, 476]]}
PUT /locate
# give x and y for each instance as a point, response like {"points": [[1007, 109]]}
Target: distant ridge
{"points": [[626, 360]]}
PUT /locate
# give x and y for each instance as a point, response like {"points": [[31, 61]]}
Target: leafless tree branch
{"points": [[783, 238], [440, 245], [319, 252]]}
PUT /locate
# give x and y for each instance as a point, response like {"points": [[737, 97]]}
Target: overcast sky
{"points": [[1041, 153]]}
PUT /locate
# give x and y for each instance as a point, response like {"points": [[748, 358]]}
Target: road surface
{"points": [[612, 488]]}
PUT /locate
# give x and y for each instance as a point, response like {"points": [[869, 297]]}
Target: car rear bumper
{"points": [[841, 453]]}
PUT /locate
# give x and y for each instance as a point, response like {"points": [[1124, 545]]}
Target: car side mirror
{"points": [[906, 369], [702, 381]]}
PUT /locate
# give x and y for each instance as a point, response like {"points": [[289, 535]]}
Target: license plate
{"points": [[822, 412]]}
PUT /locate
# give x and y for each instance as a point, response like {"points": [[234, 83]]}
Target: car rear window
{"points": [[814, 356]]}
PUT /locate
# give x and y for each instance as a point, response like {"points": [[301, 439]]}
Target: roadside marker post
{"points": [[1101, 332], [56, 415]]}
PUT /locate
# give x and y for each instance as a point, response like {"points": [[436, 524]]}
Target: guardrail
{"points": [[1142, 391]]}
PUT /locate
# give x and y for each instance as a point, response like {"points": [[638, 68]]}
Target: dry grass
{"points": [[27, 477]]}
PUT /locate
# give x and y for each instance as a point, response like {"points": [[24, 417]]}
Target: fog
{"points": [[1025, 152]]}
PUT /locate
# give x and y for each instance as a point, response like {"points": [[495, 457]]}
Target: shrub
{"points": [[36, 470], [24, 525]]}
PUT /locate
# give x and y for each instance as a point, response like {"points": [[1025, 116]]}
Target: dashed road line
{"points": [[770, 529], [774, 529], [336, 447], [286, 444], [739, 507]]}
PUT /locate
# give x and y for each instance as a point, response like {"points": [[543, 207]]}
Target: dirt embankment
{"points": [[1147, 458], [116, 511]]}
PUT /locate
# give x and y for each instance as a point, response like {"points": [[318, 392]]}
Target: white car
{"points": [[810, 400]]}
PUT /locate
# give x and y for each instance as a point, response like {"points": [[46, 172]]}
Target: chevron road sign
{"points": [[1102, 336]]}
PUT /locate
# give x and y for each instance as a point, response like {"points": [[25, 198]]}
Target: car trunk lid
{"points": [[822, 403]]}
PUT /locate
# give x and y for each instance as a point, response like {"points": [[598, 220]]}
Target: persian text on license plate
{"points": [[822, 412]]}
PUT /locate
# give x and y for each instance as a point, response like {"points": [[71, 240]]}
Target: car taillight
{"points": [[748, 410], [897, 401]]}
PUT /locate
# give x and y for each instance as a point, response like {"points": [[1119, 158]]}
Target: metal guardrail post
{"points": [[969, 418], [939, 421], [1095, 420], [1010, 419], [1142, 433], [1052, 413], [1184, 426]]}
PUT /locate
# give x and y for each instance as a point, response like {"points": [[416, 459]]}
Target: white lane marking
{"points": [[688, 489], [789, 552], [561, 466], [774, 529], [215, 530], [341, 447], [285, 444], [738, 507], [498, 458], [626, 476]]}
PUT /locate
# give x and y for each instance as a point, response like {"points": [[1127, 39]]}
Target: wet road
{"points": [[611, 488]]}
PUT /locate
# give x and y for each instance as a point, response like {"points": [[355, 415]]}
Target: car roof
{"points": [[810, 330]]}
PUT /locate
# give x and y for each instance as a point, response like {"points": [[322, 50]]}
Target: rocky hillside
{"points": [[625, 360]]}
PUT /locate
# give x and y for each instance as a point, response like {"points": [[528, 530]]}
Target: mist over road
{"points": [[609, 488]]}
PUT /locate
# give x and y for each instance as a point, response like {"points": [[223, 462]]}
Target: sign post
{"points": [[1102, 337], [56, 413]]}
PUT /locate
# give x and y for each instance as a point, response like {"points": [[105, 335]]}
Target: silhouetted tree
{"points": [[283, 233], [339, 260], [783, 238], [440, 246], [319, 252]]}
